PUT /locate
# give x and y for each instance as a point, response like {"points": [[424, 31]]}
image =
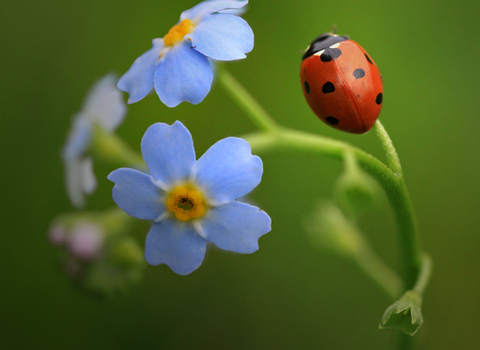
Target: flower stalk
{"points": [[245, 101], [274, 137], [108, 146]]}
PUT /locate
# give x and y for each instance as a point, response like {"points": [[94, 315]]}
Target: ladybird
{"points": [[341, 83]]}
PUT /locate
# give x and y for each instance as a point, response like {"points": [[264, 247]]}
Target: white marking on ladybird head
{"points": [[334, 46], [308, 48], [319, 53]]}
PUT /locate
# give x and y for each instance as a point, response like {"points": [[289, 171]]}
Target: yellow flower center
{"points": [[177, 32], [186, 202]]}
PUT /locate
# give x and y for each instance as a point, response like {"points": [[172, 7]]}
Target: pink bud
{"points": [[86, 241]]}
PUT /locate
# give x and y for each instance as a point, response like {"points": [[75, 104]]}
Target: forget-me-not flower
{"points": [[103, 107], [178, 65], [192, 201]]}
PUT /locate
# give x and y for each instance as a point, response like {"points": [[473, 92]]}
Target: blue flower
{"points": [[192, 201], [104, 108], [178, 65]]}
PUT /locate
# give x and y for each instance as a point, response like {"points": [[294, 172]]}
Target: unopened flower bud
{"points": [[86, 241]]}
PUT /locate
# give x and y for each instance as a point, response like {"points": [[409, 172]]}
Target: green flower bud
{"points": [[126, 252], [122, 267], [115, 221], [405, 314], [95, 251]]}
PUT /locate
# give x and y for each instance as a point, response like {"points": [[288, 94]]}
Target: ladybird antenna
{"points": [[334, 29]]}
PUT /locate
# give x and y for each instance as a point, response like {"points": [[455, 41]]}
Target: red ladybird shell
{"points": [[342, 85]]}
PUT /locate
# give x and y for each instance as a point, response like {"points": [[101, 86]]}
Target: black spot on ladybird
{"points": [[368, 59], [307, 87], [328, 87], [358, 73], [330, 54], [379, 99], [332, 120], [321, 43]]}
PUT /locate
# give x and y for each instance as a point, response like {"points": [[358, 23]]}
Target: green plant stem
{"points": [[349, 161], [424, 275], [242, 97], [402, 204], [399, 199], [406, 341], [394, 186], [390, 152], [381, 274], [390, 178], [108, 146]]}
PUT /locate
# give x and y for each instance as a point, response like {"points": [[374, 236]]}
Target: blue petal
{"points": [[78, 139], [169, 153], [208, 7], [222, 37], [236, 227], [228, 170], [176, 244], [236, 12], [104, 103], [79, 180], [138, 80], [89, 181], [182, 74], [73, 184], [137, 194]]}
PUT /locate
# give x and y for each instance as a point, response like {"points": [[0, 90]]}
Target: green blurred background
{"points": [[288, 295]]}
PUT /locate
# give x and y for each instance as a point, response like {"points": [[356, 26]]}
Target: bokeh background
{"points": [[288, 295]]}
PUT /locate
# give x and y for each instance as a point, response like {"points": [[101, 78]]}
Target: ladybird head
{"points": [[322, 42]]}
